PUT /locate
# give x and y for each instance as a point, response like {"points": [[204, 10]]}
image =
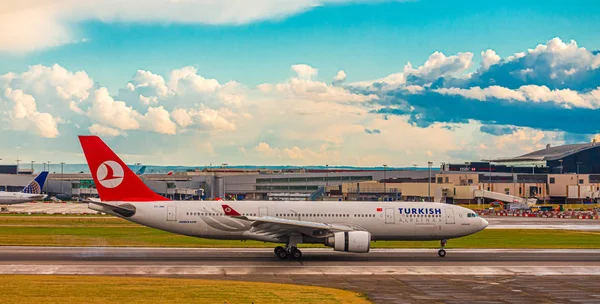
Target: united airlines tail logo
{"points": [[110, 174], [33, 188]]}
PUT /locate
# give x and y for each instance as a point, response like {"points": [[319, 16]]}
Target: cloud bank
{"points": [[445, 109]]}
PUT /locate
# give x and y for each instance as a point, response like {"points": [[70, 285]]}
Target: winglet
{"points": [[230, 211]]}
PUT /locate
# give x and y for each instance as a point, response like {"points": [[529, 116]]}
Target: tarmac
{"points": [[385, 275]]}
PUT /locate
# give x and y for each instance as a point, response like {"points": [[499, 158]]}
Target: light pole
{"points": [[512, 174], [326, 176], [384, 179], [429, 182], [490, 176], [223, 165], [33, 161], [18, 160], [61, 177]]}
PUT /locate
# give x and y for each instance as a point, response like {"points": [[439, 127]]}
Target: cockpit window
{"points": [[471, 214]]}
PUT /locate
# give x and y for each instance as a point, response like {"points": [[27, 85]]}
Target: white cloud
{"points": [[518, 55], [148, 100], [525, 140], [339, 77], [304, 71], [293, 153], [43, 81], [565, 56], [533, 93], [304, 87], [489, 58], [204, 119], [30, 25], [110, 112], [186, 79], [153, 83], [43, 24], [158, 120], [101, 130], [483, 94], [414, 89], [436, 66], [25, 116]]}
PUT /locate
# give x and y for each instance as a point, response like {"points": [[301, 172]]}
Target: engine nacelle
{"points": [[352, 241]]}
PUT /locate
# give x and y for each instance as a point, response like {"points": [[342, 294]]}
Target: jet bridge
{"points": [[520, 202]]}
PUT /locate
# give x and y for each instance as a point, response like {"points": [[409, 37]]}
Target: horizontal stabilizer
{"points": [[126, 210]]}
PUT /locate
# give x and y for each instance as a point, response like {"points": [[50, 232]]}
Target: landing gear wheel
{"points": [[296, 254], [278, 249], [442, 253], [282, 254]]}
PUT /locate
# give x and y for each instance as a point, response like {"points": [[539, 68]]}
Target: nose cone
{"points": [[484, 223]]}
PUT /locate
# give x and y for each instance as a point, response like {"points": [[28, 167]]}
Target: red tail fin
{"points": [[113, 179], [230, 211]]}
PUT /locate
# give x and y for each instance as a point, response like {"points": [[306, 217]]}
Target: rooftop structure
{"points": [[550, 153]]}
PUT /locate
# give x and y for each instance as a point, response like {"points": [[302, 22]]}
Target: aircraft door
{"points": [[389, 216], [449, 216], [263, 211], [171, 213]]}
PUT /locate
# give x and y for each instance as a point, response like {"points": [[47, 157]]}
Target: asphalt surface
{"points": [[385, 275], [504, 222]]}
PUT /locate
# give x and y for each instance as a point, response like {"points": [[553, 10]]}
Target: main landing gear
{"points": [[289, 251], [442, 252]]}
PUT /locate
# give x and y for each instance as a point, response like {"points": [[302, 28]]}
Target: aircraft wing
{"points": [[277, 227]]}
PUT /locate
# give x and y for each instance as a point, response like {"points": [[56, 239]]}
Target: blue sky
{"points": [[256, 46]]}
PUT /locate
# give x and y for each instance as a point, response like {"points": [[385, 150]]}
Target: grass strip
{"points": [[106, 289]]}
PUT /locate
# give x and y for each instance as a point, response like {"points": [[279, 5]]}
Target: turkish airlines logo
{"points": [[227, 209], [110, 174]]}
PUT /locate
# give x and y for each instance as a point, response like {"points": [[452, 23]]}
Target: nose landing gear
{"points": [[442, 252]]}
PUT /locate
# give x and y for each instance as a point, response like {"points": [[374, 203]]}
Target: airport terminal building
{"points": [[574, 158], [563, 174]]}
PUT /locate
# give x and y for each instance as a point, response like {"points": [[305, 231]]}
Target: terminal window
{"points": [[552, 180]]}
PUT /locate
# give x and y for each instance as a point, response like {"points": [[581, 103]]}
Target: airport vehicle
{"points": [[31, 192], [347, 226]]}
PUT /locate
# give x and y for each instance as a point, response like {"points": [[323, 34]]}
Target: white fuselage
{"points": [[395, 221], [19, 197]]}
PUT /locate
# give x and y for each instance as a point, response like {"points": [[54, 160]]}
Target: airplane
{"points": [[31, 192], [344, 226]]}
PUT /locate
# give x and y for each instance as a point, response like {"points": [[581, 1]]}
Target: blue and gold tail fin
{"points": [[37, 184]]}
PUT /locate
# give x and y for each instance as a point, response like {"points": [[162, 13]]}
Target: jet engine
{"points": [[350, 241]]}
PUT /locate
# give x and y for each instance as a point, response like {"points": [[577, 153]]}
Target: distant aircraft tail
{"points": [[37, 184], [170, 173], [113, 179], [141, 170]]}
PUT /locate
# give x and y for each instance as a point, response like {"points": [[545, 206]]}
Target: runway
{"points": [[385, 275], [233, 261]]}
